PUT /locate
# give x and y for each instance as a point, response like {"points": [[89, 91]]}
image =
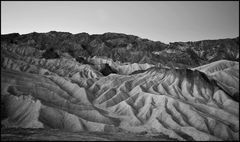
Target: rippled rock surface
{"points": [[41, 96]]}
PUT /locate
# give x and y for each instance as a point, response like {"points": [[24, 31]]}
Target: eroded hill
{"points": [[51, 88]]}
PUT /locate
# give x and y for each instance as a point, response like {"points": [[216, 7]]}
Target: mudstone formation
{"points": [[121, 83]]}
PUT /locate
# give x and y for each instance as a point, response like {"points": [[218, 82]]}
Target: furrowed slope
{"points": [[64, 94], [226, 73]]}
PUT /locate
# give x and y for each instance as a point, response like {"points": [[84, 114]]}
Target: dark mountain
{"points": [[50, 54], [129, 48], [107, 70], [205, 51]]}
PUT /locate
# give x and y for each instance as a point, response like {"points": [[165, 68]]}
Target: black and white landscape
{"points": [[115, 86], [115, 83]]}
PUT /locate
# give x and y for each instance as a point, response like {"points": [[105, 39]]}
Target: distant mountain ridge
{"points": [[130, 48]]}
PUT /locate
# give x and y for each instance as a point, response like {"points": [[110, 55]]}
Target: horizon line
{"points": [[120, 33]]}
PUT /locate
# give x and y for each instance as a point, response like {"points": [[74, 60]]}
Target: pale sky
{"points": [[165, 21]]}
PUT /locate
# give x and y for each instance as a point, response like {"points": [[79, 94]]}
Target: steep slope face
{"points": [[199, 53], [64, 94], [226, 73], [130, 48]]}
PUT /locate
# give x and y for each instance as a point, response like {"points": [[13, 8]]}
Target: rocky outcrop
{"points": [[50, 54], [130, 48], [107, 70]]}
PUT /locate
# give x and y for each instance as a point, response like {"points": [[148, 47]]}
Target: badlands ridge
{"points": [[199, 103]]}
